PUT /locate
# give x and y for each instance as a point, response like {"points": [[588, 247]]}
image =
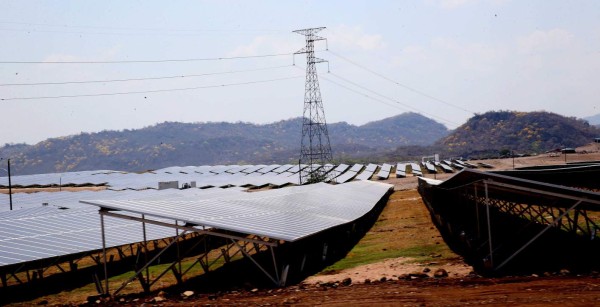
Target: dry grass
{"points": [[404, 229]]}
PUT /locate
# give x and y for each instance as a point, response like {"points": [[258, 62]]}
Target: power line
{"points": [[400, 84], [379, 100], [143, 79], [138, 29], [389, 104], [142, 32], [147, 61], [150, 91]]}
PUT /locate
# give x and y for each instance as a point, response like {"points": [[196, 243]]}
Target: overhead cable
{"points": [[148, 61], [150, 91], [396, 102], [390, 104], [143, 79], [400, 84], [153, 30]]}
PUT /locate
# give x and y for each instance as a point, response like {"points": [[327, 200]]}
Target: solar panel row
{"points": [[287, 214], [384, 171], [367, 172]]}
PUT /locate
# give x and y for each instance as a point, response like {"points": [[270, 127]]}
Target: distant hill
{"points": [[172, 143], [593, 120], [535, 132]]}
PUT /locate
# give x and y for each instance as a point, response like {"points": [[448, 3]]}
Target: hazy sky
{"points": [[442, 58]]}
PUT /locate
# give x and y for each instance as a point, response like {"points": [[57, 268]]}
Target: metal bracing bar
{"points": [[147, 265], [560, 195], [15, 277], [190, 229], [274, 264], [197, 260], [170, 267], [178, 255], [477, 212], [588, 221], [145, 252], [276, 282], [489, 228], [60, 268], [538, 235], [104, 252]]}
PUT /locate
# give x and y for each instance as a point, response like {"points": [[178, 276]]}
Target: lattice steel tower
{"points": [[314, 147]]}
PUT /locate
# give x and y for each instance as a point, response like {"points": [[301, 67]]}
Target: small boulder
{"points": [[440, 273], [187, 293], [347, 281]]}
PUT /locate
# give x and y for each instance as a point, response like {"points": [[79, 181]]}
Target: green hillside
{"points": [[502, 131], [171, 143]]}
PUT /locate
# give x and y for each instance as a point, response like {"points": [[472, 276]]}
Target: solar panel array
{"points": [[203, 176], [349, 174], [66, 199], [285, 214], [41, 232], [56, 233]]}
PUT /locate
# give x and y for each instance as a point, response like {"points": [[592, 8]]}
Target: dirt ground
{"points": [[515, 291]]}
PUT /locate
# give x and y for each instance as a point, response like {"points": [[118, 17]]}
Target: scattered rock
{"points": [[291, 300], [188, 293], [426, 270], [404, 277], [535, 275], [254, 290], [93, 298], [347, 281], [417, 275], [162, 294], [564, 272], [159, 299], [440, 273]]}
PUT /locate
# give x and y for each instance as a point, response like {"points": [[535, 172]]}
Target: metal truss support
{"points": [[315, 148], [554, 223], [561, 215], [227, 253], [489, 226]]}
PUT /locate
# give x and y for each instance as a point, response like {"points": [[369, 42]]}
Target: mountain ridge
{"points": [[523, 132], [171, 143]]}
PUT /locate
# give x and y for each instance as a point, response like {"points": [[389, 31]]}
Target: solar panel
{"points": [[384, 171], [367, 172], [65, 232], [289, 215], [401, 170]]}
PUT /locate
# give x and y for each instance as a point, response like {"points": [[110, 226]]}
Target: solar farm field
{"points": [[402, 259]]}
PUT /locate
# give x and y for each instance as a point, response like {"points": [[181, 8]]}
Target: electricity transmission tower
{"points": [[314, 147]]}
